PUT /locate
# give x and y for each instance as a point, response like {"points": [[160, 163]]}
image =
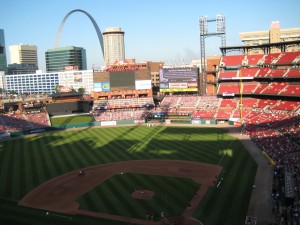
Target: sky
{"points": [[156, 30]]}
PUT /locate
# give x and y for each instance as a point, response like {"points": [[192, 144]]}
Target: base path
{"points": [[60, 194]]}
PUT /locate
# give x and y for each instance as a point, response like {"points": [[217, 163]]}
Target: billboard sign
{"points": [[97, 87], [77, 77], [101, 86], [105, 86], [179, 79], [142, 84]]}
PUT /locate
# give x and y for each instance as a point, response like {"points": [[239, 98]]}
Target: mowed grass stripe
{"points": [[221, 210], [114, 150], [74, 154], [7, 162], [118, 194], [17, 171], [126, 186], [142, 183], [42, 172], [52, 163], [243, 197], [171, 187], [88, 151], [28, 168], [99, 198]]}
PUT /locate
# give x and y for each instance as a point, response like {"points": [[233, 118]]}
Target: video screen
{"points": [[122, 80], [179, 79]]}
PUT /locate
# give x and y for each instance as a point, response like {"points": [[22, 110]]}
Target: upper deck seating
{"points": [[227, 74], [274, 88], [229, 88], [249, 87], [232, 60], [248, 72], [291, 89], [254, 59], [293, 73], [276, 73], [271, 58], [287, 57], [263, 72]]}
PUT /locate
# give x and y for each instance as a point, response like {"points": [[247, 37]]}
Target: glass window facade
{"points": [[3, 59], [58, 58]]}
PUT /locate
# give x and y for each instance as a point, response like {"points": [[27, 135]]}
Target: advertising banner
{"points": [[105, 86], [97, 87], [77, 77], [179, 79], [143, 84], [177, 85], [178, 89]]}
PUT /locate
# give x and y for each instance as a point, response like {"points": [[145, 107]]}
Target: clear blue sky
{"points": [[155, 30]]}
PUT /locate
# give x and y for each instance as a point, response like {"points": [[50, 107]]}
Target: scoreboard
{"points": [[179, 79]]}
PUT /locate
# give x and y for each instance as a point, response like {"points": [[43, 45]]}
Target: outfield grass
{"points": [[57, 121], [27, 163]]}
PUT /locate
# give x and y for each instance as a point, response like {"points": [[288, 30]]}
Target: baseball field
{"points": [[28, 163]]}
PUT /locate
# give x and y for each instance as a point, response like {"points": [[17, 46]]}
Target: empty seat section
{"points": [[271, 58], [232, 60], [229, 88], [263, 72], [274, 88], [287, 105], [227, 74], [291, 90], [260, 88], [248, 72], [287, 57], [254, 59], [249, 87], [293, 73], [276, 73]]}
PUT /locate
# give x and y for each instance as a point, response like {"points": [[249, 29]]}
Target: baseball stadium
{"points": [[210, 147]]}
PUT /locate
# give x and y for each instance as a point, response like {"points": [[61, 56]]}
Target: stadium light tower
{"points": [[220, 32]]}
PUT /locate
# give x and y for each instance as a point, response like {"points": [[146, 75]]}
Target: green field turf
{"points": [[168, 199], [57, 121], [28, 162]]}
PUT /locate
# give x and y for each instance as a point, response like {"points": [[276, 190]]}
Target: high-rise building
{"points": [[60, 59], [114, 48], [274, 35], [23, 59], [3, 61], [23, 54]]}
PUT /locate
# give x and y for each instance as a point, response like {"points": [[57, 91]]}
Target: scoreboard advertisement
{"points": [[179, 79], [123, 80]]}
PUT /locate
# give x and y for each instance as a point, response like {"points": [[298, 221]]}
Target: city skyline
{"points": [[154, 31]]}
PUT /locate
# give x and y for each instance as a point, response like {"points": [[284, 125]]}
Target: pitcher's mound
{"points": [[142, 194]]}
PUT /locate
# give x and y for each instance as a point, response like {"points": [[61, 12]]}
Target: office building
{"points": [[3, 60], [113, 42], [274, 35], [60, 59], [23, 59], [40, 82], [23, 54]]}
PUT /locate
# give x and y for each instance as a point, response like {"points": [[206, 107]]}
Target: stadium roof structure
{"points": [[266, 47]]}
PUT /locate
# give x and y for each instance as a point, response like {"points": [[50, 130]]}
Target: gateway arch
{"points": [[99, 34]]}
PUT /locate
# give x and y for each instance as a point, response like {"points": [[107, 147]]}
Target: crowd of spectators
{"points": [[17, 122]]}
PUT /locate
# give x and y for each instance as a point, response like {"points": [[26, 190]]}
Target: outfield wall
{"points": [[103, 123]]}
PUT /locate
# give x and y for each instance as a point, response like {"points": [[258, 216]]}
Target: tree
{"points": [[81, 90], [57, 88]]}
